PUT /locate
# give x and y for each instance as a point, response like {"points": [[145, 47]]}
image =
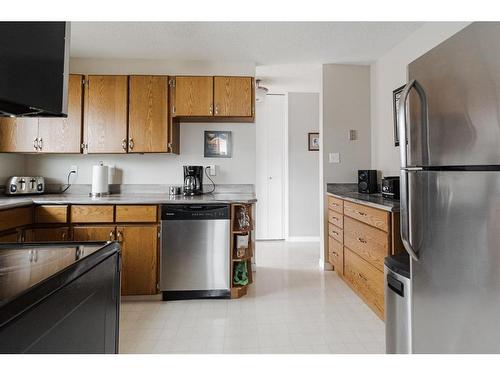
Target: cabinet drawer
{"points": [[94, 233], [366, 280], [336, 255], [51, 214], [371, 216], [336, 233], [47, 234], [336, 218], [9, 237], [335, 204], [16, 217], [92, 214], [368, 242], [136, 214]]}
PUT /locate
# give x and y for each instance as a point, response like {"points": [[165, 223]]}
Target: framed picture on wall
{"points": [[396, 94], [313, 141], [217, 144]]}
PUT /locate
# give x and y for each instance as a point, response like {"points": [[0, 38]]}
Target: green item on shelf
{"points": [[240, 274]]}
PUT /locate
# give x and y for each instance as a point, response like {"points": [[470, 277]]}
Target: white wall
{"points": [[346, 105], [389, 73], [303, 118], [10, 165], [160, 168]]}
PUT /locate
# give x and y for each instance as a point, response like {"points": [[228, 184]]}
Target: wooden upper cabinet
{"points": [[18, 134], [148, 125], [64, 135], [233, 96], [106, 113], [193, 96]]}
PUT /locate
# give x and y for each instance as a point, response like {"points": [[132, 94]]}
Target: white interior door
{"points": [[270, 184]]}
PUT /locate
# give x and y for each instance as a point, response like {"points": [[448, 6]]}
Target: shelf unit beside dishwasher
{"points": [[238, 291]]}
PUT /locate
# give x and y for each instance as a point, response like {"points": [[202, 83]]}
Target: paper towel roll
{"points": [[100, 179]]}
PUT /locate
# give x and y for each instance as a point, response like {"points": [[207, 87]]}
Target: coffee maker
{"points": [[193, 180]]}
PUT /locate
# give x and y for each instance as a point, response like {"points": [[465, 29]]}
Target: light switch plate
{"points": [[334, 157]]}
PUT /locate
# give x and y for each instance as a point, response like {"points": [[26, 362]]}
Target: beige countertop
{"points": [[126, 198], [348, 192]]}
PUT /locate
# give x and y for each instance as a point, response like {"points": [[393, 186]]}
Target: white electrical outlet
{"points": [[74, 168], [334, 157], [212, 170]]}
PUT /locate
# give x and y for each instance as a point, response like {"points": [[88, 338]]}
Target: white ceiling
{"points": [[260, 42]]}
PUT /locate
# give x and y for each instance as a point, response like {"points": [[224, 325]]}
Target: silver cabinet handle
{"points": [[362, 240], [35, 143], [124, 144], [211, 109], [405, 221], [217, 109], [131, 143], [40, 144], [111, 235], [120, 236]]}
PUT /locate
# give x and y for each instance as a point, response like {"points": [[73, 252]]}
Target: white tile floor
{"points": [[293, 307]]}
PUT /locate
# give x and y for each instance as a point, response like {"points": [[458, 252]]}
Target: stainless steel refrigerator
{"points": [[450, 192]]}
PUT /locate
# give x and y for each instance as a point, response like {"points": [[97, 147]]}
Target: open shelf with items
{"points": [[242, 246]]}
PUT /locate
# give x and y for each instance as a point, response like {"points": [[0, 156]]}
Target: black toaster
{"points": [[390, 187]]}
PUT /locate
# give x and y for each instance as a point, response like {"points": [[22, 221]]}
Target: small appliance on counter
{"points": [[19, 185], [100, 185], [174, 190], [367, 181], [390, 187], [193, 180]]}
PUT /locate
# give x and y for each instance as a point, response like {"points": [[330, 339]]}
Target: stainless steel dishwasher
{"points": [[195, 255]]}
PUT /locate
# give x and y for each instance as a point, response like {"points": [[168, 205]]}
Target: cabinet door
{"points": [[139, 258], [193, 96], [148, 114], [47, 234], [106, 114], [233, 96], [94, 233], [18, 134], [64, 135]]}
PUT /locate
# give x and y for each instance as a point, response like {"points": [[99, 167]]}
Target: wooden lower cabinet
{"points": [[139, 258], [336, 255], [94, 233], [9, 237], [366, 280], [359, 239], [55, 234]]}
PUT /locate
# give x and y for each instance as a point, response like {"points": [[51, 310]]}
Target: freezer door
{"points": [[456, 279], [461, 80]]}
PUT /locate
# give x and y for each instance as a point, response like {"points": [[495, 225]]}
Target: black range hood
{"points": [[34, 62]]}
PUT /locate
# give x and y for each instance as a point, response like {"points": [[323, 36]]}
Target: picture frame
{"points": [[396, 95], [313, 141], [217, 144]]}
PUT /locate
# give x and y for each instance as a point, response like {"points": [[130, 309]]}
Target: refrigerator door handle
{"points": [[402, 122], [405, 223]]}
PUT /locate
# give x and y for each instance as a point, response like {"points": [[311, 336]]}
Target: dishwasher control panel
{"points": [[195, 212]]}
